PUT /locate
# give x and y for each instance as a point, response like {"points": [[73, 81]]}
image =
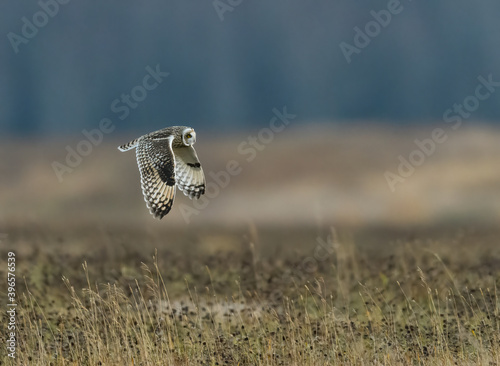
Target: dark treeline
{"points": [[65, 65]]}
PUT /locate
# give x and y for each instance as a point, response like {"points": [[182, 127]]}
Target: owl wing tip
{"points": [[160, 213], [159, 216]]}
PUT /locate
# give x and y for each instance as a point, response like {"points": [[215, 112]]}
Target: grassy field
{"points": [[255, 296], [258, 276]]}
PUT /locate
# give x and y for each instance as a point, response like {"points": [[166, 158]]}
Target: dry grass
{"points": [[428, 301], [216, 292]]}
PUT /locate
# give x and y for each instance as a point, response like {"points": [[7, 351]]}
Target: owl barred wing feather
{"points": [[188, 172], [157, 167], [166, 159]]}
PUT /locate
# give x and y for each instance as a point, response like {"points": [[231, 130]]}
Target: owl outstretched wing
{"points": [[157, 167], [188, 172]]}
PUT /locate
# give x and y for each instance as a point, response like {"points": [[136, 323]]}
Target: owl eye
{"points": [[188, 136]]}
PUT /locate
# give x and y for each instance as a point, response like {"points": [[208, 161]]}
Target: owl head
{"points": [[188, 136]]}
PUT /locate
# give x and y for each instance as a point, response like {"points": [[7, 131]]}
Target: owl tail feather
{"points": [[129, 145]]}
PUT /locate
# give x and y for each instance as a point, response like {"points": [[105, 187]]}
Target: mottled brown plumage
{"points": [[166, 158]]}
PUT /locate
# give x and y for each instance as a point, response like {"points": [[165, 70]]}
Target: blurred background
{"points": [[362, 80]]}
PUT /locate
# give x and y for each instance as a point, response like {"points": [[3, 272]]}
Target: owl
{"points": [[166, 158]]}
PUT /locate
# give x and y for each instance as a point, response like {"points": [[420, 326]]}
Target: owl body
{"points": [[166, 159]]}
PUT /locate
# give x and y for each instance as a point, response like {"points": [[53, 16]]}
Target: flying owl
{"points": [[167, 158]]}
